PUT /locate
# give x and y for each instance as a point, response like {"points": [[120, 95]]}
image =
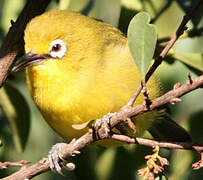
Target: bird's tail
{"points": [[168, 130]]}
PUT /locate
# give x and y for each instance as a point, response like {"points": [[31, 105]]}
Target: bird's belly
{"points": [[63, 124], [64, 118]]}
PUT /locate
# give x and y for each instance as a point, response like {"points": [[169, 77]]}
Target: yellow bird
{"points": [[79, 69]]}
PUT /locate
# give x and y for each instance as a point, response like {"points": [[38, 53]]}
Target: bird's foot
{"points": [[104, 124], [56, 159]]}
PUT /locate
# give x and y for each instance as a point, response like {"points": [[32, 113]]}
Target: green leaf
{"points": [[193, 60], [142, 39], [105, 164], [17, 111], [95, 9], [189, 45], [72, 5], [180, 163], [110, 15]]}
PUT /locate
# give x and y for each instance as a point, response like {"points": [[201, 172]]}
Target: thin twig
{"points": [[4, 165], [146, 95]]}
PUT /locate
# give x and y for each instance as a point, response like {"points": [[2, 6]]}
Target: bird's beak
{"points": [[29, 59]]}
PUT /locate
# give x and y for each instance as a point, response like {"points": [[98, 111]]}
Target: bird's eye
{"points": [[57, 48]]}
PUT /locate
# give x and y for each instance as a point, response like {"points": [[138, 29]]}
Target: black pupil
{"points": [[56, 47]]}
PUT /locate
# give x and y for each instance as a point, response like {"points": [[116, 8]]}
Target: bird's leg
{"points": [[56, 158], [104, 124]]}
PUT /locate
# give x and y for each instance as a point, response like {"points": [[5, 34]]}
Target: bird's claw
{"points": [[56, 159], [105, 123], [55, 156]]}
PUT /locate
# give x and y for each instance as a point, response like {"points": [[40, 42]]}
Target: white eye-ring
{"points": [[57, 48]]}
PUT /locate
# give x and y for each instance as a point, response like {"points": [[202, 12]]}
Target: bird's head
{"points": [[60, 38]]}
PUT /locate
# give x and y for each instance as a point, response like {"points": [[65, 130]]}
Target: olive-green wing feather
{"points": [[163, 128]]}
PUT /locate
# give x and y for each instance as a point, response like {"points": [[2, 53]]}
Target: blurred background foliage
{"points": [[21, 124]]}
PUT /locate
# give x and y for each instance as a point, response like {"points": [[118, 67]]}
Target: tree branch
{"points": [[152, 143], [128, 111], [13, 44]]}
